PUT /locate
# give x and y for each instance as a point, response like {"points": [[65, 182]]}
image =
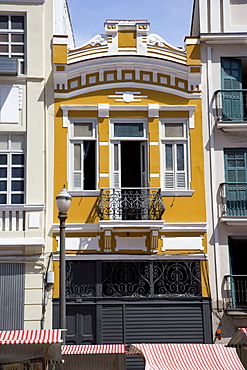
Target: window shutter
{"points": [[77, 180], [169, 180], [232, 102], [181, 180]]}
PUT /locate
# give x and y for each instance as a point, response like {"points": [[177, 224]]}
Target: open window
{"points": [[82, 155], [129, 155]]}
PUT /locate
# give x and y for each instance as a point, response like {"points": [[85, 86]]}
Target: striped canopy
{"points": [[92, 349], [239, 339], [22, 345], [187, 356], [94, 357]]}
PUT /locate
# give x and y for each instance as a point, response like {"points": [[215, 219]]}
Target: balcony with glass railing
{"points": [[230, 105], [233, 199], [130, 204]]}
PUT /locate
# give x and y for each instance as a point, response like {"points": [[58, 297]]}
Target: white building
{"points": [[26, 159], [221, 30]]}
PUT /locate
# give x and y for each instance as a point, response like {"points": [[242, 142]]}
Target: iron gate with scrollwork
{"points": [[133, 279], [133, 301]]}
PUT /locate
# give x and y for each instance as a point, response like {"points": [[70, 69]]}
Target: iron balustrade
{"points": [[238, 286], [133, 279], [130, 204], [230, 105], [234, 199]]}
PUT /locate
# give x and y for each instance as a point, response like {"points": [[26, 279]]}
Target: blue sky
{"points": [[168, 18]]}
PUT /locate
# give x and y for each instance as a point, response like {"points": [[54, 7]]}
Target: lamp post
{"points": [[63, 200]]}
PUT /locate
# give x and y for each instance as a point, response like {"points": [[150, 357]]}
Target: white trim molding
{"points": [[182, 243], [185, 227], [137, 224], [103, 110], [21, 241], [129, 257], [177, 193]]}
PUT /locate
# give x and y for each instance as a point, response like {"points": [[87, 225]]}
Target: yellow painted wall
{"points": [[178, 208], [126, 39], [193, 54], [59, 54]]}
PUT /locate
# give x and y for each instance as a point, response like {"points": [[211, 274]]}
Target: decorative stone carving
{"points": [[153, 39], [99, 39]]}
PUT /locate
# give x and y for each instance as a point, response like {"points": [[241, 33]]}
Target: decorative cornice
{"points": [[133, 85], [234, 221], [22, 207], [224, 38], [21, 241], [100, 39], [128, 257]]}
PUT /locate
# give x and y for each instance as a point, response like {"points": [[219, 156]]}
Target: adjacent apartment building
{"points": [[221, 31], [26, 159], [129, 149]]}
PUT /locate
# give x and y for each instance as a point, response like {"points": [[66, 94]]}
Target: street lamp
{"points": [[63, 200]]}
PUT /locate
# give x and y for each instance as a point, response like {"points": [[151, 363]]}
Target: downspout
{"points": [[45, 290], [213, 189]]}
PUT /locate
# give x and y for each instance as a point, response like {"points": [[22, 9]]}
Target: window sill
{"points": [[84, 193], [177, 193]]}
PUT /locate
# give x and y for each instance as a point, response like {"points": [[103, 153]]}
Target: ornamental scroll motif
{"points": [[125, 279], [116, 279], [99, 39], [80, 279], [177, 278], [153, 39]]}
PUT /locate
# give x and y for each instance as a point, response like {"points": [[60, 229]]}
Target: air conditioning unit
{"points": [[9, 66]]}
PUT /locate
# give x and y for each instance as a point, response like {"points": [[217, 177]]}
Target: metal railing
{"points": [[233, 199], [130, 204], [238, 290], [230, 105]]}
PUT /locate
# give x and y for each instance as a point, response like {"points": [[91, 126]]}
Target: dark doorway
{"points": [[238, 267], [80, 324], [130, 164]]}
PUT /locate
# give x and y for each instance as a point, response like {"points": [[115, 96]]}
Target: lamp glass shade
{"points": [[63, 201]]}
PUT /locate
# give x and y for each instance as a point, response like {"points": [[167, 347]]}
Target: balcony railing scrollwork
{"points": [[130, 204], [233, 199], [230, 105]]}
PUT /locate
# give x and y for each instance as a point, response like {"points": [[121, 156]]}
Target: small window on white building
{"points": [[12, 38], [83, 155], [174, 155], [12, 169]]}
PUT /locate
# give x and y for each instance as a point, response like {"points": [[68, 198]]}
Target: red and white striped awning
{"points": [[92, 349], [30, 336], [172, 356], [239, 339], [94, 357], [21, 345]]}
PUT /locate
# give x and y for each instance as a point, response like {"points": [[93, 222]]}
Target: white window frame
{"points": [[174, 141], [117, 140], [80, 140], [12, 31], [9, 153]]}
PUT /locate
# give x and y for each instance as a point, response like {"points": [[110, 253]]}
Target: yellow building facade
{"points": [[128, 147]]}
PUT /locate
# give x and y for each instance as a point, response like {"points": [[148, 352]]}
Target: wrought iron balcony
{"points": [[230, 105], [233, 199], [130, 204], [238, 290]]}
